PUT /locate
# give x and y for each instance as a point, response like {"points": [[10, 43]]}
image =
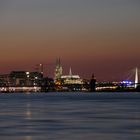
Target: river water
{"points": [[70, 116]]}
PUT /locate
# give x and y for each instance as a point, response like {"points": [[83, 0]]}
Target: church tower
{"points": [[70, 72], [58, 70]]}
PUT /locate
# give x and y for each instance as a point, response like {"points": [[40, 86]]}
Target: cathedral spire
{"points": [[70, 72], [59, 61], [58, 69]]}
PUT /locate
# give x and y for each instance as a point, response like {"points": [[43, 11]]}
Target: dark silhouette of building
{"points": [[92, 84], [24, 78], [47, 84]]}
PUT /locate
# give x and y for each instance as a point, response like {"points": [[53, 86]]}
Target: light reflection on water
{"points": [[28, 113], [70, 116]]}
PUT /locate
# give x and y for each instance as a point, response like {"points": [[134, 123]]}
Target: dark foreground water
{"points": [[70, 116]]}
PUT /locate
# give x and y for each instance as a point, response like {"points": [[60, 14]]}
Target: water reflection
{"points": [[109, 116], [28, 116], [28, 113], [28, 137]]}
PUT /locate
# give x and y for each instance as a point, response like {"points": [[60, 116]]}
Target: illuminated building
{"points": [[71, 82], [71, 79], [58, 70]]}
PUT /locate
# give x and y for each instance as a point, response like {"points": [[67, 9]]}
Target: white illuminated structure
{"points": [[71, 79], [136, 78]]}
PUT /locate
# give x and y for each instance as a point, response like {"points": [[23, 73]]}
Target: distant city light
{"points": [[126, 82], [27, 73]]}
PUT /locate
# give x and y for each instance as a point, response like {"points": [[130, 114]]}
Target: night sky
{"points": [[90, 36]]}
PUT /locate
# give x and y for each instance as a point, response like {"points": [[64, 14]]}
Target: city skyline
{"points": [[92, 36]]}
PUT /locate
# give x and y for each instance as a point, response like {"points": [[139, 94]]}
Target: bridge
{"points": [[130, 83], [133, 77]]}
